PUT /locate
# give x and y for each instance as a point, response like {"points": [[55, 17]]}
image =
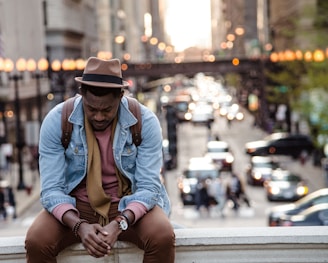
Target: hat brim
{"points": [[102, 84]]}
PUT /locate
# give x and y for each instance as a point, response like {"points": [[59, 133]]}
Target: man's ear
{"points": [[122, 93]]}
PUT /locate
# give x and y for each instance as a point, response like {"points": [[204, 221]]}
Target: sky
{"points": [[188, 22]]}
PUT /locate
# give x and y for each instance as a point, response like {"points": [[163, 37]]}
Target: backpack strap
{"points": [[67, 127], [134, 107]]}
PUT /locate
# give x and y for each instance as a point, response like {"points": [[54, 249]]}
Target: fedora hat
{"points": [[102, 73]]}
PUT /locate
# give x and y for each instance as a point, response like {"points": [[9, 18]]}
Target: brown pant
{"points": [[153, 233]]}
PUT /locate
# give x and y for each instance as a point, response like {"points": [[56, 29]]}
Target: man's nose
{"points": [[99, 116]]}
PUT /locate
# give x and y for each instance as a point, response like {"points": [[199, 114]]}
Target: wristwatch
{"points": [[122, 223]]}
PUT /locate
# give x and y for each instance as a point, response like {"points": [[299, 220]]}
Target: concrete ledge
{"points": [[228, 245]]}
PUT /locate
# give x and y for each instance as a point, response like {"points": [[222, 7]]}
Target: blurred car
{"points": [[281, 144], [317, 197], [284, 185], [219, 152], [199, 169], [260, 169], [181, 104], [201, 112], [316, 215]]}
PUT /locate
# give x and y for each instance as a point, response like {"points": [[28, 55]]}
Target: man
{"points": [[3, 210], [201, 196], [219, 190], [102, 188]]}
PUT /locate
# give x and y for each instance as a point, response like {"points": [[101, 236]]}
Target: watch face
{"points": [[123, 224]]}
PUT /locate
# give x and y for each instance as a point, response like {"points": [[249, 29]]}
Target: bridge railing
{"points": [[159, 70]]}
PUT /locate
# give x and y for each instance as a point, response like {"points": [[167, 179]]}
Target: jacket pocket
{"points": [[128, 156]]}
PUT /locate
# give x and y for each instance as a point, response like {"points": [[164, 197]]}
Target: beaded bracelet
{"points": [[76, 227]]}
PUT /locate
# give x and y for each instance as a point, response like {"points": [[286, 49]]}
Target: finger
{"points": [[99, 250], [100, 229], [95, 253], [96, 244], [101, 245]]}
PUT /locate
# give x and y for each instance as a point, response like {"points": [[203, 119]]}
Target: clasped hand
{"points": [[98, 240]]}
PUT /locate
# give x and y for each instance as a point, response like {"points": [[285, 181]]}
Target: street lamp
{"points": [[104, 55], [63, 73], [318, 55], [20, 67], [42, 65], [57, 79]]}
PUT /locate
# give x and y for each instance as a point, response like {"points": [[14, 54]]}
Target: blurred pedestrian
{"points": [[237, 191], [10, 200], [7, 199], [229, 122], [209, 129], [202, 198], [34, 161], [303, 157], [3, 210], [232, 197], [233, 189], [8, 153], [220, 195]]}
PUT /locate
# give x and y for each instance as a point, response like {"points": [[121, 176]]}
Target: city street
{"points": [[191, 143]]}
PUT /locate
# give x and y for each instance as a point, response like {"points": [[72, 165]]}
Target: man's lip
{"points": [[99, 124]]}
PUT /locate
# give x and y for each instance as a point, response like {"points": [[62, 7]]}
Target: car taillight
{"points": [[272, 150], [287, 223], [251, 150]]}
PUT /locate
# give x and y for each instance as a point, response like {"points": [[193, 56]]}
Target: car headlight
{"points": [[274, 190], [186, 189], [302, 190], [257, 175], [223, 111], [230, 159], [188, 116], [230, 116], [240, 116]]}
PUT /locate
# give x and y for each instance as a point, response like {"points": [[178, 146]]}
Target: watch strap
{"points": [[126, 218], [121, 225]]}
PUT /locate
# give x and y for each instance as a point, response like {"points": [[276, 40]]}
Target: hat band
{"points": [[102, 78]]}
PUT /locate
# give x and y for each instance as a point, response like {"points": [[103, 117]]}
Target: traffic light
{"points": [[253, 102]]}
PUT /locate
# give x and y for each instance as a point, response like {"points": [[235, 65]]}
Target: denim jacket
{"points": [[62, 171]]}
